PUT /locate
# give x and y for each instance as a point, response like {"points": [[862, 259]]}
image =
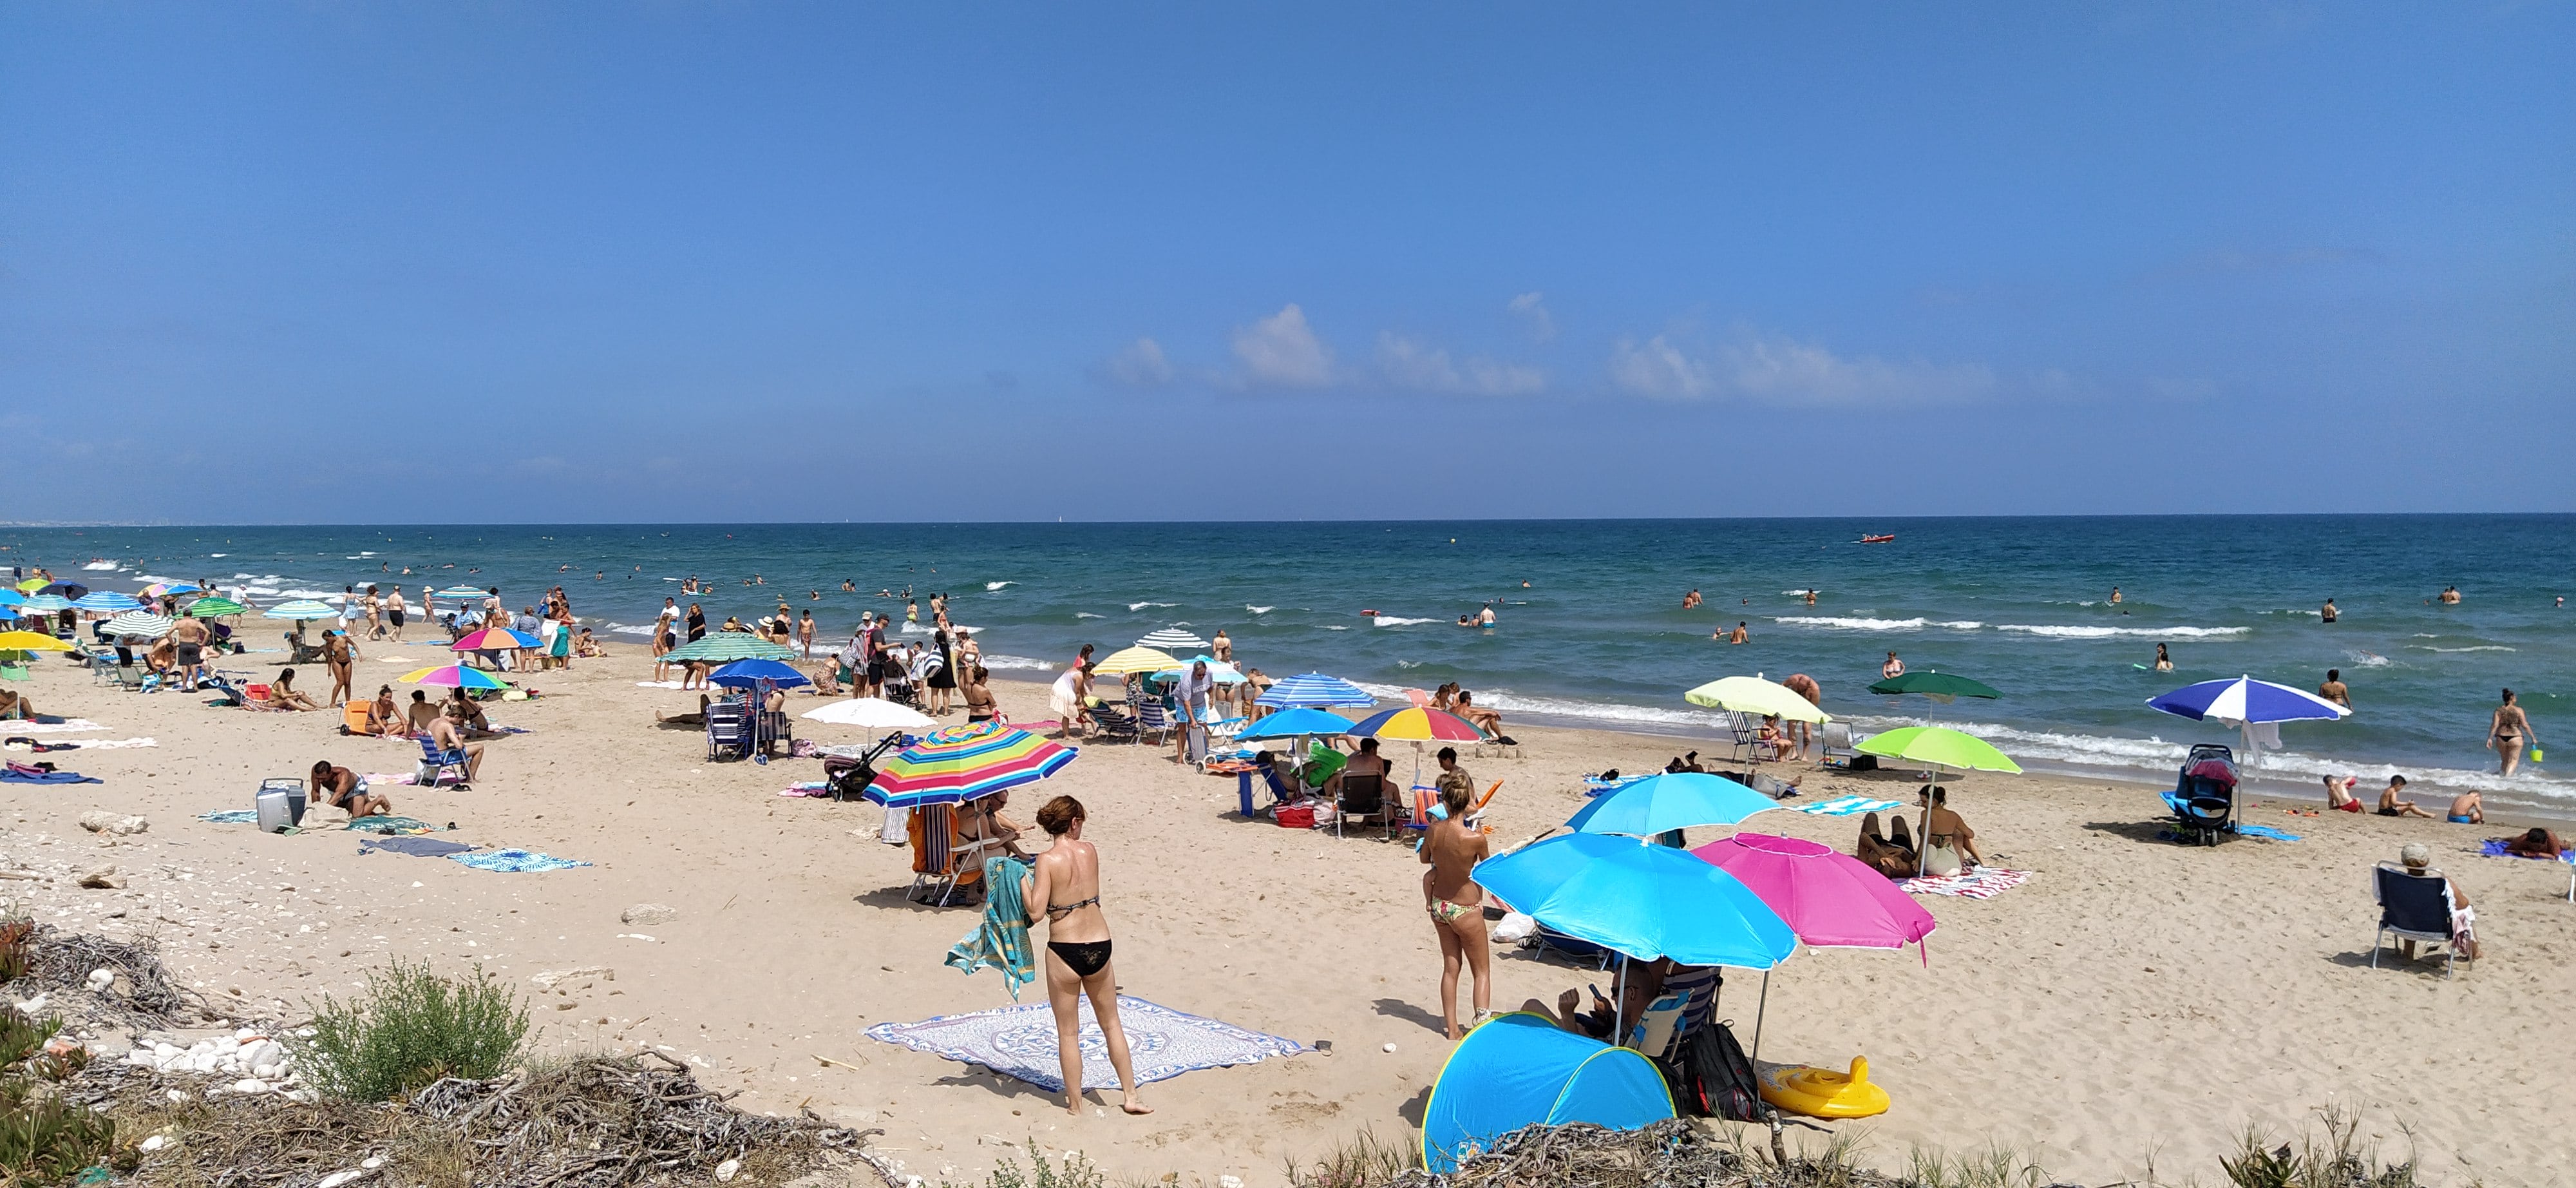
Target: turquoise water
{"points": [[1597, 637]]}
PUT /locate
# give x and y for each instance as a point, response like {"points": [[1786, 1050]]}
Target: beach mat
{"points": [[1985, 882], [417, 847], [27, 775], [390, 825], [231, 816], [514, 861], [1019, 1042], [48, 724], [2264, 831], [1843, 806], [2494, 848]]}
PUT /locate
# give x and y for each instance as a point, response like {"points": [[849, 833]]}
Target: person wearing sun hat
{"points": [[2417, 858]]}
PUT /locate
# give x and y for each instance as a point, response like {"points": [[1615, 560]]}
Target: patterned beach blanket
{"points": [[231, 816], [1985, 882], [1019, 1042], [417, 847], [1843, 806], [54, 726], [514, 861], [390, 825]]}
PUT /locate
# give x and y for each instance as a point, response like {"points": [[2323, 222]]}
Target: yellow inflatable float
{"points": [[1822, 1093]]}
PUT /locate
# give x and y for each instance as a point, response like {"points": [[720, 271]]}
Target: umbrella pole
{"points": [[1619, 1003], [1922, 840], [1760, 1006]]}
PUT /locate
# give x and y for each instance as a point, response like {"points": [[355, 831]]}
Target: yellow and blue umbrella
{"points": [[454, 676], [964, 763]]}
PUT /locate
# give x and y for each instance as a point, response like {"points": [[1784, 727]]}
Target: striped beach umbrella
{"points": [[499, 639], [1416, 724], [454, 676], [726, 646], [462, 592], [965, 763], [1136, 659], [44, 604], [157, 589], [142, 624], [1314, 690], [214, 606], [1172, 639], [106, 602], [302, 610]]}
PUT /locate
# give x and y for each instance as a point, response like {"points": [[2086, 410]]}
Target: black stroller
{"points": [[2204, 795], [849, 778]]}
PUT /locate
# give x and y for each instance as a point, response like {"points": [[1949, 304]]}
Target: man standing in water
{"points": [[2508, 731], [2327, 612], [2115, 596], [2333, 689]]}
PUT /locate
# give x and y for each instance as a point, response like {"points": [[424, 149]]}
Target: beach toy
{"points": [[1822, 1093]]}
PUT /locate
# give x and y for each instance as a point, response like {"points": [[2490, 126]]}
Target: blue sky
{"points": [[305, 262]]}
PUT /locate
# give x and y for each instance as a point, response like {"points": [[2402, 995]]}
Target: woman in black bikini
{"points": [[1065, 888]]}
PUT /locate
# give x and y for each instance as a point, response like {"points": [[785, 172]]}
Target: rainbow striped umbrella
{"points": [[1417, 724], [157, 589], [454, 676], [965, 763], [495, 638]]}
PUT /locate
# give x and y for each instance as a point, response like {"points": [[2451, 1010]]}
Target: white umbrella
{"points": [[140, 624], [1171, 639], [872, 713]]}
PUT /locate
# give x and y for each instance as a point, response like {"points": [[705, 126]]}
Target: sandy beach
{"points": [[2133, 1001]]}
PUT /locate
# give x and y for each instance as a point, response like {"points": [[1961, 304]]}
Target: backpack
{"points": [[1712, 1078]]}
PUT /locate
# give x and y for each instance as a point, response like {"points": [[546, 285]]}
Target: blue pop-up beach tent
{"points": [[1519, 1070]]}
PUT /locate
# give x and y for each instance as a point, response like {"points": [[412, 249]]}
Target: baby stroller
{"points": [[849, 778], [2204, 795], [901, 687]]}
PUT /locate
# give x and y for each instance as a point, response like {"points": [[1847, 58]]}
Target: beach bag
{"points": [[1298, 816], [1713, 1079]]}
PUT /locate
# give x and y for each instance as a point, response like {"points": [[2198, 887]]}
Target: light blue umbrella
{"points": [[11, 597], [302, 610], [743, 674], [1295, 723], [1639, 900], [462, 592], [45, 604], [1672, 800], [1317, 691], [106, 602]]}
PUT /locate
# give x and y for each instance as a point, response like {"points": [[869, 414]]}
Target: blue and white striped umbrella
{"points": [[141, 624], [2245, 700], [106, 602], [1314, 690], [1171, 639], [301, 610], [44, 604]]}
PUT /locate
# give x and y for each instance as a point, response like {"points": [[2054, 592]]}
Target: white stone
{"points": [[337, 1178], [265, 1072], [1229, 1182], [550, 978], [101, 979], [154, 1143], [373, 1162], [177, 1096], [726, 1170], [1389, 1048], [250, 1085]]}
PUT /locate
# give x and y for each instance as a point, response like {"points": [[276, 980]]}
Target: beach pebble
{"points": [[101, 878], [1388, 1048], [102, 821], [251, 1085], [337, 1178], [726, 1170], [32, 1005], [100, 980], [154, 1143], [1229, 1182], [649, 913], [177, 1096]]}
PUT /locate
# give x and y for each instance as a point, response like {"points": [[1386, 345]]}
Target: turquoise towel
{"points": [[1002, 939]]}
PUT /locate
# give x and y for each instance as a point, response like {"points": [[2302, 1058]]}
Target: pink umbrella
{"points": [[1828, 899]]}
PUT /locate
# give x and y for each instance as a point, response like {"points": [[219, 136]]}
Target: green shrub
{"points": [[1074, 1172], [42, 1141], [411, 1028]]}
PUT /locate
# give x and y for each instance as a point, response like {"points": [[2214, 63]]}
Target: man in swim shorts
{"points": [[2467, 809], [188, 637], [2333, 689], [2327, 612], [341, 788]]}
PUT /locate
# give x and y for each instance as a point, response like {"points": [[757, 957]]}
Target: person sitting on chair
{"points": [[448, 735], [341, 788], [1643, 984], [1781, 742], [1364, 762], [2417, 858]]}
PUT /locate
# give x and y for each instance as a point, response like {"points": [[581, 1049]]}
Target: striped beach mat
{"points": [[1019, 1042], [1985, 882], [1844, 806]]}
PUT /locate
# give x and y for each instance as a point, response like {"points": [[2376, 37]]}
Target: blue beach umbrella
{"points": [[1673, 800], [45, 604], [11, 597], [106, 602], [302, 610], [743, 674], [462, 592], [2248, 703], [1316, 691], [1642, 901], [1295, 723]]}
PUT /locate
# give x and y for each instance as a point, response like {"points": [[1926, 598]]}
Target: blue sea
{"points": [[1590, 629]]}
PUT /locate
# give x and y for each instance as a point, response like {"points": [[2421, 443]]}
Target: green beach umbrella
{"points": [[215, 606], [1936, 747], [727, 646], [1939, 686]]}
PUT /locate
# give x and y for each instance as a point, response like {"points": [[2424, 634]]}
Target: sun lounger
{"points": [[2414, 907]]}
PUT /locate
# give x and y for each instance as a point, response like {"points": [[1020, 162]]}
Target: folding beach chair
{"points": [[1840, 748], [937, 856], [1110, 723], [1367, 798], [435, 764], [1747, 741], [2414, 907], [728, 735], [1155, 718]]}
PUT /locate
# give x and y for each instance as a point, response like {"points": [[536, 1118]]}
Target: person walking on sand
{"points": [[394, 609], [1063, 887], [1456, 903], [2508, 731], [1804, 686]]}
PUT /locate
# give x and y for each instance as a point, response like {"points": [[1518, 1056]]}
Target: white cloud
{"points": [[1141, 365], [1657, 368], [1282, 350], [1531, 309], [1783, 370], [1408, 364]]}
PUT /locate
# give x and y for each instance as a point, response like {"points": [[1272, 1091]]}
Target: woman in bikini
{"points": [[1457, 904], [1064, 887]]}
